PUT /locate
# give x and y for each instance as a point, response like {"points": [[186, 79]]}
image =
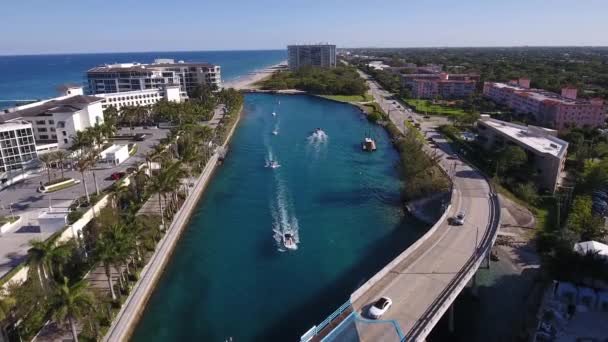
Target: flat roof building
{"points": [[57, 120], [317, 55], [124, 77], [145, 97], [17, 145], [544, 149], [558, 111], [432, 84]]}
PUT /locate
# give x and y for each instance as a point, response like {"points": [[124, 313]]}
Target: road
{"points": [[418, 280]]}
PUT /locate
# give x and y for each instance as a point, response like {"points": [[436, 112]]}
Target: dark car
{"points": [[139, 137], [117, 175]]}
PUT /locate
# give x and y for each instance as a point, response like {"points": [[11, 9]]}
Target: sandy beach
{"points": [[247, 81]]}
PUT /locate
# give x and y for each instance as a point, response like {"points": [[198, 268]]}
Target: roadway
{"points": [[418, 280]]}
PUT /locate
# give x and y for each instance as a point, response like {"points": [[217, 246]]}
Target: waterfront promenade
{"points": [[425, 279]]}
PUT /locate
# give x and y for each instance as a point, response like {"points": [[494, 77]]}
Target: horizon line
{"points": [[285, 49]]}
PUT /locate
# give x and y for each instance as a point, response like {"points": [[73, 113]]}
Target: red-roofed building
{"points": [[440, 84]]}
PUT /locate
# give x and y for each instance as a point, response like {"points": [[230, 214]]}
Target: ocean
{"points": [[33, 77]]}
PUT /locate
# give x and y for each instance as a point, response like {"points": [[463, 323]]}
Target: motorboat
{"points": [[273, 164], [274, 114], [368, 145], [289, 241], [275, 132]]}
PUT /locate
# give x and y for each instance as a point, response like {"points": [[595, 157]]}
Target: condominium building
{"points": [[545, 151], [17, 145], [146, 97], [124, 77], [319, 55], [548, 109], [56, 121], [432, 84]]}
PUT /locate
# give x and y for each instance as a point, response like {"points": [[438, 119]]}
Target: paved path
{"points": [[418, 280]]}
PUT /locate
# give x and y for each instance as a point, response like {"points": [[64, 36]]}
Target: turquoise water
{"points": [[228, 276]]}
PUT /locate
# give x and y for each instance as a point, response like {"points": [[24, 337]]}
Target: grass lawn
{"points": [[349, 98], [426, 106]]}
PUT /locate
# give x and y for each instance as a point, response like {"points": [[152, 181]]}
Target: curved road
{"points": [[416, 282]]}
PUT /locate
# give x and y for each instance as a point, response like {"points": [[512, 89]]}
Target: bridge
{"points": [[426, 278]]}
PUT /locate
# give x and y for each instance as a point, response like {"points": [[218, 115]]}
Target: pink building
{"points": [[440, 84], [549, 109]]}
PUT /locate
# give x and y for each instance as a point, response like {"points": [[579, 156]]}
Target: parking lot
{"points": [[24, 200]]}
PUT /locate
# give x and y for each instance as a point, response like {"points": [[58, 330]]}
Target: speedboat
{"points": [[289, 241], [274, 114], [273, 164], [275, 132]]}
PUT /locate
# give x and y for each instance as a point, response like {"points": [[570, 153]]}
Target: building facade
{"points": [[17, 145], [125, 77], [432, 84], [145, 97], [319, 55], [57, 120], [548, 109], [544, 149]]}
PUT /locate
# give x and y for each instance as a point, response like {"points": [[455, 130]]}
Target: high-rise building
{"points": [[548, 109], [123, 77], [319, 55], [17, 145]]}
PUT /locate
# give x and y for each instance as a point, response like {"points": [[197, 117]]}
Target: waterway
{"points": [[230, 278]]}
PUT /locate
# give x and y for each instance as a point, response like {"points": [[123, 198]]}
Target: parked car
{"points": [[139, 137], [458, 220], [379, 307], [427, 116], [117, 175]]}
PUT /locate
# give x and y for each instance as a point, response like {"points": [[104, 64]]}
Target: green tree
{"points": [[510, 158], [7, 302], [582, 221], [71, 303], [61, 156], [84, 164], [47, 159]]}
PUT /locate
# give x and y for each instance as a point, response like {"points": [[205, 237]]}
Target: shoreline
{"points": [[247, 81], [130, 314]]}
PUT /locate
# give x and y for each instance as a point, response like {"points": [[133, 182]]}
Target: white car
{"points": [[458, 220], [380, 307]]}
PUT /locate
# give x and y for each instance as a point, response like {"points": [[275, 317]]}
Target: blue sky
{"points": [[43, 26]]}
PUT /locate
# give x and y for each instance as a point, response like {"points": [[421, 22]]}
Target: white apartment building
{"points": [[58, 119], [125, 77], [318, 55], [544, 149], [17, 145], [145, 97]]}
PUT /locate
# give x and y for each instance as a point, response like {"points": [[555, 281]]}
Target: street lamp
{"points": [[10, 207]]}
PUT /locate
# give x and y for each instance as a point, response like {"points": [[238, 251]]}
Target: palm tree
{"points": [[84, 163], [6, 304], [48, 159], [39, 259], [166, 181], [71, 303], [61, 156], [106, 253], [82, 141]]}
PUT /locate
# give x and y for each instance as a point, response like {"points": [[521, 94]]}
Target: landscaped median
{"points": [[58, 184], [7, 222]]}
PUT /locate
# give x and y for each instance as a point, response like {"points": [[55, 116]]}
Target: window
{"points": [[65, 141], [51, 122], [53, 136], [41, 129], [64, 133], [44, 137], [40, 122]]}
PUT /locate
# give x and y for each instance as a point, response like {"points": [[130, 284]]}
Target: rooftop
{"points": [[535, 138], [540, 94], [139, 67], [70, 104]]}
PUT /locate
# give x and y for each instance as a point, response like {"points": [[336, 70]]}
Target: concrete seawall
{"points": [[133, 308]]}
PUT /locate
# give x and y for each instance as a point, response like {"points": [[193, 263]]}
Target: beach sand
{"points": [[248, 81]]}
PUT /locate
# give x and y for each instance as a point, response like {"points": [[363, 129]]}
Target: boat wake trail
{"points": [[283, 217], [317, 140]]}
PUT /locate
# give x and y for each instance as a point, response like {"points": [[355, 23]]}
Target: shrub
{"points": [[527, 192]]}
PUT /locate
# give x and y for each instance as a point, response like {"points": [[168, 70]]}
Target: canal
{"points": [[229, 277]]}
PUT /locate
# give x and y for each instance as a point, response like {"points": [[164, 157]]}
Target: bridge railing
{"points": [[430, 318], [317, 328]]}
